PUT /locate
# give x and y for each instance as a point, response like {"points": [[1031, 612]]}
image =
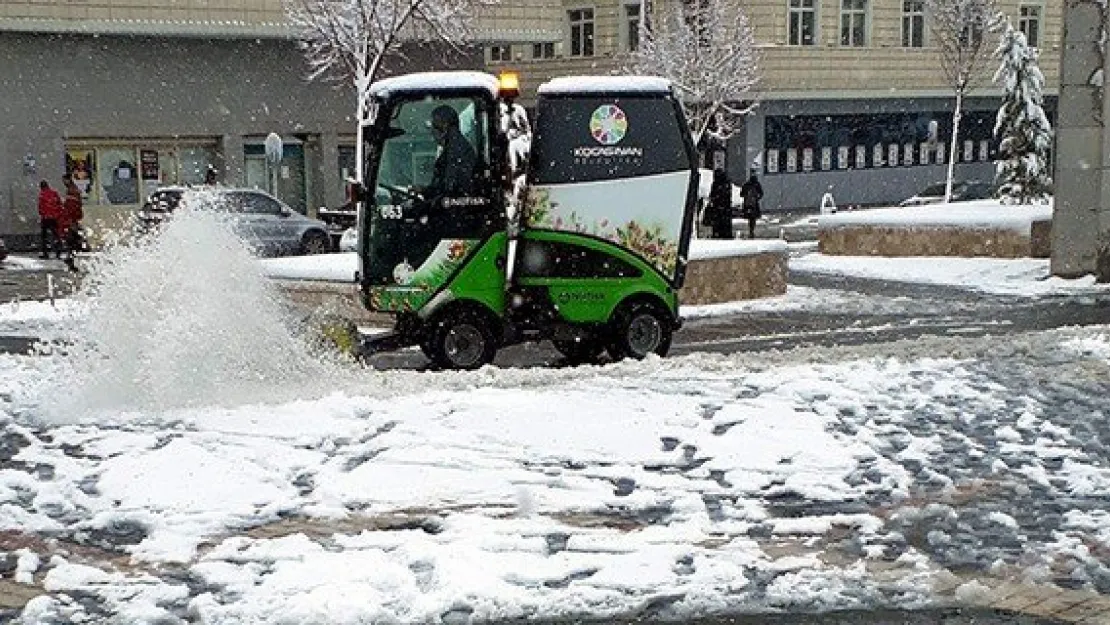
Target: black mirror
{"points": [[393, 132]]}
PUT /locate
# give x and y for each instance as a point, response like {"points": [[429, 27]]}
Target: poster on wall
{"points": [[892, 154], [877, 155], [81, 168], [826, 158], [984, 150], [807, 159], [772, 161], [924, 152], [149, 170], [861, 157], [842, 157], [969, 151], [791, 160], [907, 154]]}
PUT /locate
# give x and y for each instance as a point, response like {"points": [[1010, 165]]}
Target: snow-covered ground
{"points": [[192, 458]]}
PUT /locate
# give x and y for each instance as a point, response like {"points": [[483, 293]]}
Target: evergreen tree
{"points": [[1021, 126]]}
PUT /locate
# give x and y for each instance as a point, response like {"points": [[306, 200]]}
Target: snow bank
{"points": [[332, 267], [980, 214], [706, 249]]}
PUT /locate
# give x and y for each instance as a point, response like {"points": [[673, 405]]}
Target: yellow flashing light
{"points": [[508, 85]]}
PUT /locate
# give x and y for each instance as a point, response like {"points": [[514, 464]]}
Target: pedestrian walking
{"points": [[50, 213], [752, 193], [718, 215], [69, 225]]}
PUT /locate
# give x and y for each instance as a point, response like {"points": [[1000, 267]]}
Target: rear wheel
{"points": [[581, 351], [315, 242], [462, 339], [639, 329]]}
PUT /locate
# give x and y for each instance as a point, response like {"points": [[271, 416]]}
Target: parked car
{"points": [[962, 191], [266, 222]]}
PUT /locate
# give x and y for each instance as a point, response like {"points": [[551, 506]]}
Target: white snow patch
{"points": [[978, 214]]}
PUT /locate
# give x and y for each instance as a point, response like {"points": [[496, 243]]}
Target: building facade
{"points": [[129, 95], [849, 92]]}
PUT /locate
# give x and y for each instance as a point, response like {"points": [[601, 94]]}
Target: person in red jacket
{"points": [[50, 212], [70, 220]]}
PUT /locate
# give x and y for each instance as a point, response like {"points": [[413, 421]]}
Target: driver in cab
{"points": [[454, 169]]}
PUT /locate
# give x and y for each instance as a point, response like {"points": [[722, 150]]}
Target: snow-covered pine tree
{"points": [[1021, 126]]}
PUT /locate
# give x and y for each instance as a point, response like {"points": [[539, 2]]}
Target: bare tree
{"points": [[959, 29], [707, 49], [349, 39]]}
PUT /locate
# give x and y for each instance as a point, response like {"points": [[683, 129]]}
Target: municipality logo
{"points": [[608, 124]]}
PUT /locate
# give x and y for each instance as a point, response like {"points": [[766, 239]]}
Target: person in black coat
{"points": [[718, 214], [752, 193]]}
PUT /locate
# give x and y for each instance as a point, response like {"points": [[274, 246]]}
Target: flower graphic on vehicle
{"points": [[608, 124]]}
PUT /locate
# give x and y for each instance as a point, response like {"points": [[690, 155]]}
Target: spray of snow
{"points": [[182, 318]]}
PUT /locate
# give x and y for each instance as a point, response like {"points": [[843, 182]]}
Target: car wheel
{"points": [[463, 339], [638, 329], [315, 242], [581, 351]]}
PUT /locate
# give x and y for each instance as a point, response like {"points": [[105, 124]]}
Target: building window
{"points": [[631, 27], [1029, 22], [803, 23], [581, 32], [500, 54], [543, 50], [853, 23], [913, 23]]}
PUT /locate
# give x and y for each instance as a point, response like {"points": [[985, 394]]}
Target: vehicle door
{"points": [[275, 224]]}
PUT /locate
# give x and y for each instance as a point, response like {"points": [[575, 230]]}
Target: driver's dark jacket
{"points": [[454, 170]]}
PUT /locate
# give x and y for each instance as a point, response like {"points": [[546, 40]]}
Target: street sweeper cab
{"points": [[478, 229]]}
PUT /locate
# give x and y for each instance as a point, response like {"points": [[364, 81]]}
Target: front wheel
{"points": [[315, 242], [639, 329], [462, 340]]}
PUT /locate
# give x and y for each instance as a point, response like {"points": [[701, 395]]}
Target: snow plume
{"points": [[707, 49], [1023, 131], [182, 317]]}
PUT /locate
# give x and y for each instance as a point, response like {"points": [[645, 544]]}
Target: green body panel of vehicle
{"points": [[482, 279], [592, 300], [425, 281]]}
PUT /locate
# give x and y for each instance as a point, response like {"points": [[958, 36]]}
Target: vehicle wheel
{"points": [[581, 351], [314, 242], [639, 329], [462, 340]]}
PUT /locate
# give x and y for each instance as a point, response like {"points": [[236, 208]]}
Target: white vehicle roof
{"points": [[431, 81], [605, 84]]}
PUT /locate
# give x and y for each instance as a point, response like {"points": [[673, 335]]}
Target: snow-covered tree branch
{"points": [[1021, 126], [350, 39], [707, 49], [959, 29]]}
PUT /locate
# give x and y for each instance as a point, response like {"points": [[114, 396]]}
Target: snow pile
{"points": [[979, 214]]}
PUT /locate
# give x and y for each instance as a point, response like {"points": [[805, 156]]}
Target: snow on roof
{"points": [[980, 214], [605, 84], [431, 81]]}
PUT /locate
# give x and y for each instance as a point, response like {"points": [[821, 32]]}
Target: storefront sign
{"points": [[148, 162]]}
